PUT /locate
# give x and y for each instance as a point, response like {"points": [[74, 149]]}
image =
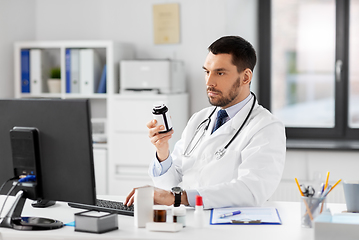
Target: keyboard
{"points": [[106, 206]]}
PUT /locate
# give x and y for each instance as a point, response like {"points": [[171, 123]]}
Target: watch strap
{"points": [[177, 202]]}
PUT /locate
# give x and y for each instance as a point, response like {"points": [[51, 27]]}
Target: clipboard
{"points": [[249, 215]]}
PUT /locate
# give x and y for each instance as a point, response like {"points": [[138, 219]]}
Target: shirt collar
{"points": [[233, 110]]}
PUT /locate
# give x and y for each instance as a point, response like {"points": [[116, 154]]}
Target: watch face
{"points": [[176, 189]]}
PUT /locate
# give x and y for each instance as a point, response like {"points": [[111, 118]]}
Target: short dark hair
{"points": [[243, 53]]}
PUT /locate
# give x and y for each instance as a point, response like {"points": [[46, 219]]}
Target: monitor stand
{"points": [[42, 203], [14, 220]]}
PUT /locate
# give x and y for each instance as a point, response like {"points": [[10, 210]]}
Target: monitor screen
{"points": [[65, 144]]}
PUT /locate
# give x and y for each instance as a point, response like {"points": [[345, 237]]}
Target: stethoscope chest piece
{"points": [[219, 153]]}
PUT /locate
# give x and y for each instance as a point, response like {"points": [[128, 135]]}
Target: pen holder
{"points": [[311, 207]]}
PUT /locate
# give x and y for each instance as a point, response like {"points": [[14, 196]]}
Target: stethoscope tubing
{"points": [[206, 128]]}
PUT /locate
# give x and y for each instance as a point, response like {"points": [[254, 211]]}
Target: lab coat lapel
{"points": [[239, 118], [235, 123]]}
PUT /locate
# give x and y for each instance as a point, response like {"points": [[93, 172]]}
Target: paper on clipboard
{"points": [[266, 215]]}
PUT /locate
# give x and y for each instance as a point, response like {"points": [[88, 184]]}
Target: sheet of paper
{"points": [[266, 215]]}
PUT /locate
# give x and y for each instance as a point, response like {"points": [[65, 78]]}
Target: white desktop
{"points": [[289, 229]]}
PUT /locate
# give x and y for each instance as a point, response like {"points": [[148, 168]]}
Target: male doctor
{"points": [[233, 153]]}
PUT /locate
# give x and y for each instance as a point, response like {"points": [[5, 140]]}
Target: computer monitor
{"points": [[66, 169]]}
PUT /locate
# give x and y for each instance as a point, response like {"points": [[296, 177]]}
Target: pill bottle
{"points": [[161, 114], [159, 214], [179, 215]]}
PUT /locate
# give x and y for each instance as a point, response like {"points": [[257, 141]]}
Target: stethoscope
{"points": [[205, 124]]}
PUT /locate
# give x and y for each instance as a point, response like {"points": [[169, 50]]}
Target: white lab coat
{"points": [[247, 174]]}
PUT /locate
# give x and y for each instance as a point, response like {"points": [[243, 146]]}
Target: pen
{"points": [[230, 214]]}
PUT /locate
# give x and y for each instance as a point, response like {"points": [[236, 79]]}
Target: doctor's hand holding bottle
{"points": [[159, 140]]}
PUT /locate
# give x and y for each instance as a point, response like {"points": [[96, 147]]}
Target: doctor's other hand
{"points": [[160, 196], [159, 140]]}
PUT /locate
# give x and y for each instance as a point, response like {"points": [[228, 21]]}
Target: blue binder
{"points": [[68, 70], [25, 70], [102, 84]]}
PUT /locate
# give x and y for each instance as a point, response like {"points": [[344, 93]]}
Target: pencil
{"points": [[334, 185], [326, 181], [301, 193]]}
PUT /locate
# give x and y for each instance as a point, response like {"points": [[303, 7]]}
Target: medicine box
{"points": [[95, 222]]}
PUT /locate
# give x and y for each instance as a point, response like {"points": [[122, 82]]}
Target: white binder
{"points": [[75, 70], [39, 71], [90, 71]]}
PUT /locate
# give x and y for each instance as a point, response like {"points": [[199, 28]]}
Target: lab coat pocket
{"points": [[220, 171]]}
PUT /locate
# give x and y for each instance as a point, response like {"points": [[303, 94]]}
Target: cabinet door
{"points": [[128, 177], [132, 148], [100, 164], [132, 114]]}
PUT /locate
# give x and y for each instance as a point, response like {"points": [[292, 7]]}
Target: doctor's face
{"points": [[225, 86]]}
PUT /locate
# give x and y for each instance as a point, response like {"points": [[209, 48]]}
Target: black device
{"points": [[64, 143], [25, 151]]}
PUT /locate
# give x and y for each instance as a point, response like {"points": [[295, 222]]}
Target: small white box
{"points": [[95, 222], [143, 206]]}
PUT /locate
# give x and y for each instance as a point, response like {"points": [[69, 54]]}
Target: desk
{"points": [[289, 213]]}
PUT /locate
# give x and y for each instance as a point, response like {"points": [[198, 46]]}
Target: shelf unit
{"points": [[110, 53]]}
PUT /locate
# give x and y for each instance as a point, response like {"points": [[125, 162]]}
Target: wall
{"points": [[17, 23], [202, 22]]}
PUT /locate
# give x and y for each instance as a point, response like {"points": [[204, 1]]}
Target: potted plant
{"points": [[54, 82]]}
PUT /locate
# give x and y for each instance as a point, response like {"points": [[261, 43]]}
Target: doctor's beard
{"points": [[222, 100]]}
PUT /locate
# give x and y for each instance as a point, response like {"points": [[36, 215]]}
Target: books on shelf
{"points": [[34, 71], [83, 72]]}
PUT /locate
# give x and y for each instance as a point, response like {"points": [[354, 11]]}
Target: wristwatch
{"points": [[177, 192]]}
